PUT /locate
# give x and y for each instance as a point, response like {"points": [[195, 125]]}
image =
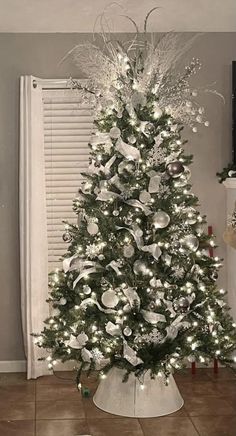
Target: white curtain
{"points": [[33, 226]]}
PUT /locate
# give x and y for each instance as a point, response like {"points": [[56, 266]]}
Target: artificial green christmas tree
{"points": [[138, 289]]}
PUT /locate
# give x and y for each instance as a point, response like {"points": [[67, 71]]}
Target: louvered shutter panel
{"points": [[67, 131]]}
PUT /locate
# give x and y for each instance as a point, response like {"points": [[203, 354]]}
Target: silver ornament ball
{"points": [[92, 228], [127, 331], [161, 219], [174, 169], [115, 132], [67, 237], [110, 299], [87, 290], [191, 242], [128, 251], [181, 305]]}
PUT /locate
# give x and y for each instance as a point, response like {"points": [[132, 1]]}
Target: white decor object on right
{"points": [[147, 398]]}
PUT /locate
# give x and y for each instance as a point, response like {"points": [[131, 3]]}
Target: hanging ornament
{"points": [[161, 219], [132, 139], [174, 169], [145, 197], [92, 228], [115, 212], [157, 112], [138, 99], [140, 267], [191, 242], [214, 275], [115, 132], [87, 290], [62, 301], [110, 299], [67, 236], [127, 331], [182, 305], [128, 251]]}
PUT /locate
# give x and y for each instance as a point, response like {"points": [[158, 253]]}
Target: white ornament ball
{"points": [[161, 219], [128, 251], [115, 132], [62, 301], [132, 139], [127, 331], [110, 299], [92, 228], [144, 196]]}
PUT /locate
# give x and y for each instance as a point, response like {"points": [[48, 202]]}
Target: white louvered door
{"points": [[67, 131]]}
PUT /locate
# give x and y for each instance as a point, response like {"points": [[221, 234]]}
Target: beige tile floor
{"points": [[52, 406]]}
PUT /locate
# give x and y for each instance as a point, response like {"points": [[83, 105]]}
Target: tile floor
{"points": [[51, 406]]}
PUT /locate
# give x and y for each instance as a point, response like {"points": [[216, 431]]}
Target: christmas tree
{"points": [[137, 289]]}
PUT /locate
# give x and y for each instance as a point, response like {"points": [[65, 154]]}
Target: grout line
{"points": [[190, 418]]}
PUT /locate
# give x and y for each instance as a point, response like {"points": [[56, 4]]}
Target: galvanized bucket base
{"points": [[135, 400]]}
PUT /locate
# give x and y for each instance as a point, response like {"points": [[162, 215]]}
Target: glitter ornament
{"points": [[144, 196], [110, 299], [92, 228], [161, 219], [140, 267], [115, 212], [67, 236], [174, 169], [127, 331], [62, 301], [115, 132], [191, 242], [87, 290], [181, 305], [128, 251], [138, 99]]}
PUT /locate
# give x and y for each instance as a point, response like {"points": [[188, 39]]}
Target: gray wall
{"points": [[39, 55]]}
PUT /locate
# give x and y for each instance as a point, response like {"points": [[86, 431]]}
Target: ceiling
{"points": [[80, 16]]}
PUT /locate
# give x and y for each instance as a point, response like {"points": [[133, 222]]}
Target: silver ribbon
{"points": [[128, 151], [131, 355], [91, 301], [106, 195], [114, 264], [86, 355], [153, 317], [132, 296], [78, 342], [153, 249], [173, 329], [136, 203], [113, 329]]}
